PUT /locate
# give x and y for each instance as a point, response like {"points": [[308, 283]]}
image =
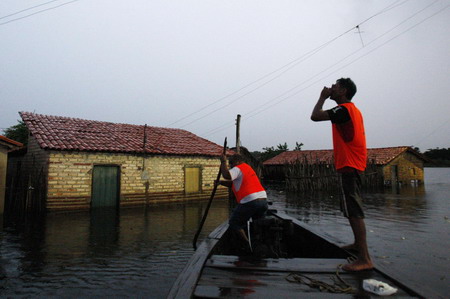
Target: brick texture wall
{"points": [[70, 178], [409, 168]]}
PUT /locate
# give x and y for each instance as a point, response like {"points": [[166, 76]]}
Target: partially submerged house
{"points": [[6, 145], [87, 164], [400, 164]]}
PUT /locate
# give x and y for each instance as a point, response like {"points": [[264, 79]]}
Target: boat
{"points": [[285, 258]]}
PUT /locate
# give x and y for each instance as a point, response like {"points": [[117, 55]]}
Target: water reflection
{"points": [[407, 228], [102, 253], [104, 229], [139, 252], [408, 204]]}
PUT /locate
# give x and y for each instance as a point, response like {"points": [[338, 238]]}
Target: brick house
{"points": [[6, 145], [87, 163], [400, 164]]}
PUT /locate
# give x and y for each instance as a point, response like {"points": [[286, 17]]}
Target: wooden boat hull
{"points": [[293, 263]]}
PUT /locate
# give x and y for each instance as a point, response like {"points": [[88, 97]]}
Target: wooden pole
{"points": [[238, 128], [194, 242], [144, 143], [144, 171]]}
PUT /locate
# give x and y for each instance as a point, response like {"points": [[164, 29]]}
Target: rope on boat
{"points": [[338, 286]]}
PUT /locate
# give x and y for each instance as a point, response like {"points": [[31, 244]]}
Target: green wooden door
{"points": [[105, 186]]}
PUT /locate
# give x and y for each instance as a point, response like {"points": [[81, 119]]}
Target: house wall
{"points": [[70, 178], [36, 158], [3, 165], [409, 168], [26, 179]]}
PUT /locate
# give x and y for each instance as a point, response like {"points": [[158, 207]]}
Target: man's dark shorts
{"points": [[351, 203], [243, 212]]}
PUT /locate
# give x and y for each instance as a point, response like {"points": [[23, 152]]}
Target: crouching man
{"points": [[250, 194]]}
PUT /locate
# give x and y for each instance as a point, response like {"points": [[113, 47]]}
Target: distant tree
{"points": [[298, 146], [438, 153], [257, 155], [440, 156], [282, 147], [270, 152], [17, 132]]}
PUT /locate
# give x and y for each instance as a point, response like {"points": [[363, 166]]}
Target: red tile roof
{"points": [[74, 134], [311, 156], [381, 156], [10, 142]]}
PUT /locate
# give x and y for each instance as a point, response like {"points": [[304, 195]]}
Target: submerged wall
{"points": [[149, 179], [409, 168]]}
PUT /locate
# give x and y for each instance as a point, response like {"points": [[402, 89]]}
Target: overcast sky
{"points": [[195, 65]]}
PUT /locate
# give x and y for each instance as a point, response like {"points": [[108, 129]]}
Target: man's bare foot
{"points": [[358, 266]]}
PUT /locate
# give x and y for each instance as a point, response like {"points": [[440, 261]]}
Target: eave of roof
{"points": [[9, 142]]}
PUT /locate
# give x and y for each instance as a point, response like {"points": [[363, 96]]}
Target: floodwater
{"points": [[138, 253]]}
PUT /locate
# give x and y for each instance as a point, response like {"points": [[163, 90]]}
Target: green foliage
{"points": [[270, 152], [438, 153], [18, 132], [440, 156], [298, 146]]}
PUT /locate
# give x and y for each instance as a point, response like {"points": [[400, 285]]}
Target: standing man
{"points": [[250, 194], [350, 156]]}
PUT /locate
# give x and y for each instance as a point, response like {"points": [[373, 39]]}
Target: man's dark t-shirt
{"points": [[339, 115]]}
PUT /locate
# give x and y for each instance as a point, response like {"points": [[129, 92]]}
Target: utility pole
{"points": [[238, 140], [144, 174]]}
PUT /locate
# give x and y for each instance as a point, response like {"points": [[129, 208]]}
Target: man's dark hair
{"points": [[348, 84], [236, 158]]}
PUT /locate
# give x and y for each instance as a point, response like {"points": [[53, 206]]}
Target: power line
{"points": [[23, 10], [355, 60], [256, 112], [345, 58], [35, 13], [386, 9], [432, 132], [287, 67]]}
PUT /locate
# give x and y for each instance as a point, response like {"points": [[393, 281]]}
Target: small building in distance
{"points": [[83, 164], [401, 164]]}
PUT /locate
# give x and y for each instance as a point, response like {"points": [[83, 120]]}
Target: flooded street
{"points": [[139, 252], [136, 253]]}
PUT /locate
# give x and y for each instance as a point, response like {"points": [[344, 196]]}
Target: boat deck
{"points": [[302, 259], [227, 276]]}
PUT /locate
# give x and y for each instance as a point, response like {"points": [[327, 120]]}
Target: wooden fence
{"points": [[303, 176], [25, 192]]}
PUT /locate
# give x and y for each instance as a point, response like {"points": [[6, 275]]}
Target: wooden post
{"points": [[144, 143], [238, 141], [144, 171]]}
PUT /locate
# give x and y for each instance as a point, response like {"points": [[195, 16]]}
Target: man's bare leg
{"points": [[242, 234], [363, 262]]}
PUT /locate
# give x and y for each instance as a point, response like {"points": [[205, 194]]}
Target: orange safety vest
{"points": [[351, 153], [250, 182]]}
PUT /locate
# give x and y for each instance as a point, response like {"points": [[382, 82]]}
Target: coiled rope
{"points": [[338, 286]]}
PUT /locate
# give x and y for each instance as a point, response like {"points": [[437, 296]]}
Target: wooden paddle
{"points": [[210, 201]]}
